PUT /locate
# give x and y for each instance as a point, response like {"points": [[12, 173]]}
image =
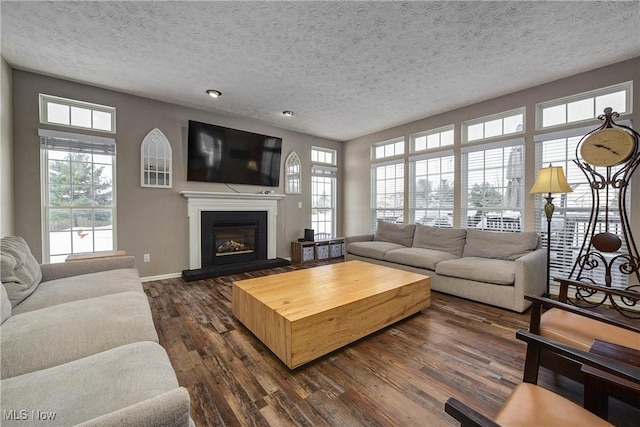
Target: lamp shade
{"points": [[551, 180]]}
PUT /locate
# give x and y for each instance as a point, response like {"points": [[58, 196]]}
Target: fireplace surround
{"points": [[225, 207]]}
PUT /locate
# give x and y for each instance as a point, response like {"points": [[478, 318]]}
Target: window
{"points": [[493, 186], [428, 140], [323, 156], [323, 192], [583, 107], [392, 148], [78, 185], [293, 174], [572, 210], [507, 123], [155, 158], [77, 114], [388, 192], [431, 190]]}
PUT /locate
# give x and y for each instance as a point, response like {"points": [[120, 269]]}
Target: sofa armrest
{"points": [[166, 410], [76, 268], [531, 273], [359, 238]]}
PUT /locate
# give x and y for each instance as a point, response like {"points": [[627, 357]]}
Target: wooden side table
{"points": [[599, 385], [95, 255]]}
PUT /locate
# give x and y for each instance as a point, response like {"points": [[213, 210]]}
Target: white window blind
{"points": [[431, 189], [493, 186], [387, 192], [78, 185]]}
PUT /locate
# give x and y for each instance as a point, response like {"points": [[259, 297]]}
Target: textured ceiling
{"points": [[345, 68]]}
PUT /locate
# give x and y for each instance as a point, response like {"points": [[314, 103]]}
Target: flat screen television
{"points": [[232, 156]]}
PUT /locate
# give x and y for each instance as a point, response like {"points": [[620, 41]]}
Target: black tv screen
{"points": [[231, 156]]}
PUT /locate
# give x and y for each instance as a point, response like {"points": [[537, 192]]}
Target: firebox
{"points": [[233, 237]]}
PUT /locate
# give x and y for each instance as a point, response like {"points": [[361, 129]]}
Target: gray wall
{"points": [[357, 164], [149, 220], [6, 151]]}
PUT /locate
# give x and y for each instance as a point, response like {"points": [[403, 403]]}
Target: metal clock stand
{"points": [[606, 181]]}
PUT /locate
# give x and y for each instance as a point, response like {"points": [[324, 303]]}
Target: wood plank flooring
{"points": [[399, 376]]}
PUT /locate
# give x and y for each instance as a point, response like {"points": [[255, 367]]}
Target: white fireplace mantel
{"points": [[202, 201]]}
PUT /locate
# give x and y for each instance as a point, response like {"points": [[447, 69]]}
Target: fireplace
{"points": [[233, 237], [231, 233]]}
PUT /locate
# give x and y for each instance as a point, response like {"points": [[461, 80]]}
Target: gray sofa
{"points": [[79, 347], [489, 267]]}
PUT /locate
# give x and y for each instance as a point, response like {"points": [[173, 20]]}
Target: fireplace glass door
{"points": [[234, 243]]}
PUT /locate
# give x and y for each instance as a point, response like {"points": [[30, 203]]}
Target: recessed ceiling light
{"points": [[214, 93], [288, 113]]}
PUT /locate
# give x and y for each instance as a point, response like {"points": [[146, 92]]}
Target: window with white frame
{"points": [[584, 107], [496, 125], [387, 192], [572, 210], [431, 189], [493, 186], [324, 177], [78, 193], [428, 140], [387, 149], [325, 156], [77, 114], [293, 174]]}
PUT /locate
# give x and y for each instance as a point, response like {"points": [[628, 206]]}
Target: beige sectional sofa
{"points": [[78, 346], [489, 267]]}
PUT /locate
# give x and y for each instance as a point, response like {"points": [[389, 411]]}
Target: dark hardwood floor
{"points": [[399, 376]]}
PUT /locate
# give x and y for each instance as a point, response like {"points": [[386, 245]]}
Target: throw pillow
{"points": [[395, 233], [440, 239], [498, 245], [5, 306], [20, 271]]}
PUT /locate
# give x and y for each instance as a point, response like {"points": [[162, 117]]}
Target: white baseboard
{"points": [[161, 277]]}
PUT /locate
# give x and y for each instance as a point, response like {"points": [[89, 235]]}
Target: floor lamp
{"points": [[550, 180]]}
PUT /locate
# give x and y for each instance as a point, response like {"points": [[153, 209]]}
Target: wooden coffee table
{"points": [[304, 314]]}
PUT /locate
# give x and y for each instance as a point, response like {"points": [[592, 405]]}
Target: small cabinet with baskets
{"points": [[317, 250]]}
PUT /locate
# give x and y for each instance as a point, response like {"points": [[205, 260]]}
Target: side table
{"points": [[599, 385]]}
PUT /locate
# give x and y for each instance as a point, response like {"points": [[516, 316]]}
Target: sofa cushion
{"points": [[80, 287], [395, 233], [20, 272], [5, 307], [451, 240], [96, 385], [375, 250], [496, 271], [497, 245], [418, 257], [58, 334]]}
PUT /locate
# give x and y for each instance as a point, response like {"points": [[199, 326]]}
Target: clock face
{"points": [[607, 147]]}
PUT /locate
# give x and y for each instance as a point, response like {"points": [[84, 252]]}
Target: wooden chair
{"points": [[577, 327], [532, 405]]}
